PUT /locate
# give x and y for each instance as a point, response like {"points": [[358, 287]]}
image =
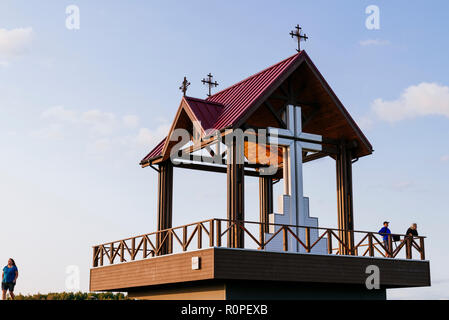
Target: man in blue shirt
{"points": [[385, 233], [9, 277]]}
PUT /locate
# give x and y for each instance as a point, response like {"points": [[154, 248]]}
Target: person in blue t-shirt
{"points": [[384, 232], [9, 277]]}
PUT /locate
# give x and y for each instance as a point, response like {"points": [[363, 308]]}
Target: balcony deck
{"points": [[170, 274], [246, 264]]}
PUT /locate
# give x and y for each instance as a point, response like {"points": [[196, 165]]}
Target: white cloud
{"points": [[103, 132], [128, 143], [99, 146], [144, 136], [417, 100], [374, 42], [150, 138], [52, 132], [101, 122], [365, 123], [131, 121], [13, 43], [445, 158], [59, 113]]}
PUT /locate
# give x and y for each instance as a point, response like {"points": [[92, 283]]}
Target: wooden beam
{"points": [[314, 156], [284, 92], [212, 168], [310, 117], [269, 106], [235, 193], [165, 205], [290, 89], [202, 158], [199, 146], [294, 101], [344, 199], [279, 97], [266, 201]]}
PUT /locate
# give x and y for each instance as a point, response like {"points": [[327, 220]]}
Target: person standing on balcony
{"points": [[413, 230], [385, 232], [9, 277]]}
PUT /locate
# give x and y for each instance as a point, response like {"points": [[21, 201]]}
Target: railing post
{"points": [[285, 238], [111, 253], [218, 232], [211, 233], [235, 234], [122, 251], [160, 243], [390, 246], [184, 238], [133, 248], [329, 241], [421, 244], [95, 257], [370, 245], [101, 255], [144, 246], [262, 229], [200, 235], [307, 239], [353, 250], [408, 247], [170, 241], [240, 234]]}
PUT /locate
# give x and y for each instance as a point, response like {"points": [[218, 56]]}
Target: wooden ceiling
{"points": [[322, 112]]}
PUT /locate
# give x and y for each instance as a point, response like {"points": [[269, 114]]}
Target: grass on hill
{"points": [[73, 296]]}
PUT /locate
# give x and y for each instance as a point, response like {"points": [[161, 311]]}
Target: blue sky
{"points": [[80, 108]]}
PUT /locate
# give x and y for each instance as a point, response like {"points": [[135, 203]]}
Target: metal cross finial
{"points": [[299, 36], [210, 83], [184, 86]]}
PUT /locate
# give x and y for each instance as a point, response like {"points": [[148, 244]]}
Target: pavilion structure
{"points": [[267, 126]]}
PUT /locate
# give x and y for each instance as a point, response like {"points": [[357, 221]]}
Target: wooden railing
{"points": [[210, 233]]}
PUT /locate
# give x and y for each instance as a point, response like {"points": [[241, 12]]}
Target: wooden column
{"points": [[266, 199], [235, 192], [165, 205], [344, 199]]}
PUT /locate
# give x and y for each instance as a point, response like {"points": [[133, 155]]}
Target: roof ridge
{"points": [[254, 75]]}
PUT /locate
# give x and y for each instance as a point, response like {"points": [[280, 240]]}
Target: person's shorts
{"points": [[8, 286]]}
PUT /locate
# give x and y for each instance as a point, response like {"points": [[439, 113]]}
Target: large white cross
{"points": [[294, 141]]}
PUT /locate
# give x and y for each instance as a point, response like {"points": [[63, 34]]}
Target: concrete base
{"points": [[256, 290], [201, 290]]}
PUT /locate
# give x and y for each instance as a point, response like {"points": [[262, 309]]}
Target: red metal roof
{"points": [[205, 111], [240, 97], [155, 152], [226, 107]]}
